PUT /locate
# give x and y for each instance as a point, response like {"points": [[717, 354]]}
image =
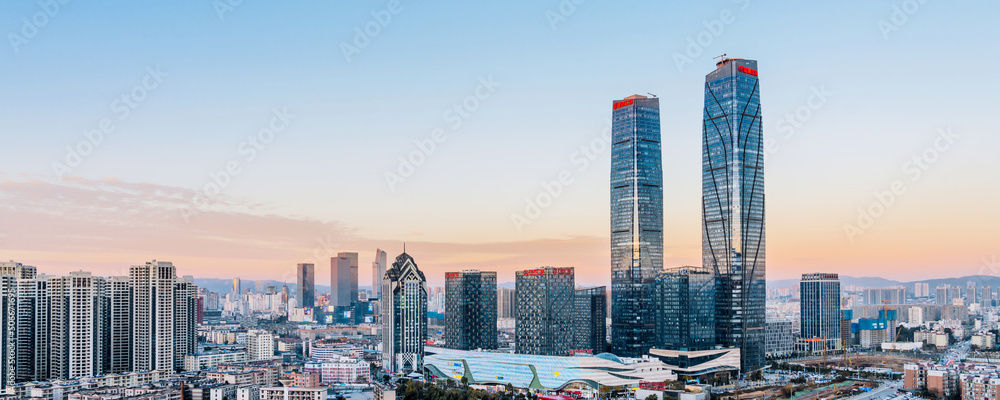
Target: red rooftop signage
{"points": [[747, 70], [620, 104], [451, 275]]}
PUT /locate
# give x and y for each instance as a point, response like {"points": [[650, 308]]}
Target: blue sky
{"points": [[353, 120]]}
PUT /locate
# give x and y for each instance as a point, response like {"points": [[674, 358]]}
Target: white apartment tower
{"points": [[119, 294], [260, 345], [153, 316], [77, 326]]}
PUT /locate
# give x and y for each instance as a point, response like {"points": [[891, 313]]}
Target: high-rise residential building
{"points": [[260, 345], [77, 326], [955, 293], [33, 334], [733, 244], [344, 279], [971, 295], [306, 291], [819, 306], [684, 305], [404, 316], [506, 303], [17, 270], [185, 320], [8, 330], [636, 220], [378, 271], [943, 295], [470, 314], [883, 296], [545, 302], [120, 298], [590, 320], [986, 297], [921, 289], [153, 316]]}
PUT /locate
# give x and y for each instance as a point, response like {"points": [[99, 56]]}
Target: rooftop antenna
{"points": [[720, 57], [651, 94]]}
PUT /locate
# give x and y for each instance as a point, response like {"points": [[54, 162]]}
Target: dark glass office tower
{"points": [[470, 317], [636, 221], [819, 306], [590, 330], [306, 290], [733, 206], [684, 302], [545, 302]]}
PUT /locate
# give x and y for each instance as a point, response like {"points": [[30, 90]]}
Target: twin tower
{"points": [[644, 313]]}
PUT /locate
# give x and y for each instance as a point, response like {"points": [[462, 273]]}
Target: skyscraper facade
{"points": [[545, 301], [819, 306], [590, 315], [344, 279], [636, 220], [237, 288], [119, 293], [684, 305], [404, 316], [470, 314], [152, 338], [506, 303], [378, 270], [733, 206], [306, 289], [77, 342]]}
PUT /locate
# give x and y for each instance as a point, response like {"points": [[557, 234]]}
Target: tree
{"points": [[652, 397]]}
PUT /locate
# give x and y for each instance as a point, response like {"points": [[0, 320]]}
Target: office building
{"points": [[819, 306], [590, 320], [237, 288], [404, 316], [506, 303], [733, 244], [378, 271], [344, 279], [306, 291], [636, 221], [470, 310], [545, 301], [683, 300], [883, 296], [779, 337]]}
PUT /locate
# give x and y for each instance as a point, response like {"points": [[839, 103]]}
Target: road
{"points": [[887, 389]]}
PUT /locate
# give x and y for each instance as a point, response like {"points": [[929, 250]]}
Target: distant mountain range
{"points": [[874, 282]]}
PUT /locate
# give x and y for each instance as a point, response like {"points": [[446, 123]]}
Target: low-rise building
{"points": [[292, 393]]}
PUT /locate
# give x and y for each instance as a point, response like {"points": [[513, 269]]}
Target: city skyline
{"points": [[116, 208]]}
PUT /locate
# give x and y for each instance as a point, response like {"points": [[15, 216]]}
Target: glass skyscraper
{"points": [[636, 221], [733, 206]]}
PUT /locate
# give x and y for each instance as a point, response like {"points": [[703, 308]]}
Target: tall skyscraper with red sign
{"points": [[733, 206], [636, 221]]}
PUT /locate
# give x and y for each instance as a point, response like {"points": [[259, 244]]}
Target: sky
{"points": [[238, 138]]}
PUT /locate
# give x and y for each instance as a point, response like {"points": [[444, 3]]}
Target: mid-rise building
{"points": [[733, 243], [636, 221], [684, 303], [292, 393], [404, 316], [779, 338], [344, 279], [820, 306], [590, 319], [260, 344], [545, 302], [470, 310], [306, 291]]}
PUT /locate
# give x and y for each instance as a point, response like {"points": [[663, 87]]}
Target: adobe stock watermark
{"points": [[789, 124], [223, 7], [247, 151], [121, 108], [30, 27], [454, 117], [714, 28], [914, 168], [562, 12], [363, 36], [552, 189], [900, 15]]}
